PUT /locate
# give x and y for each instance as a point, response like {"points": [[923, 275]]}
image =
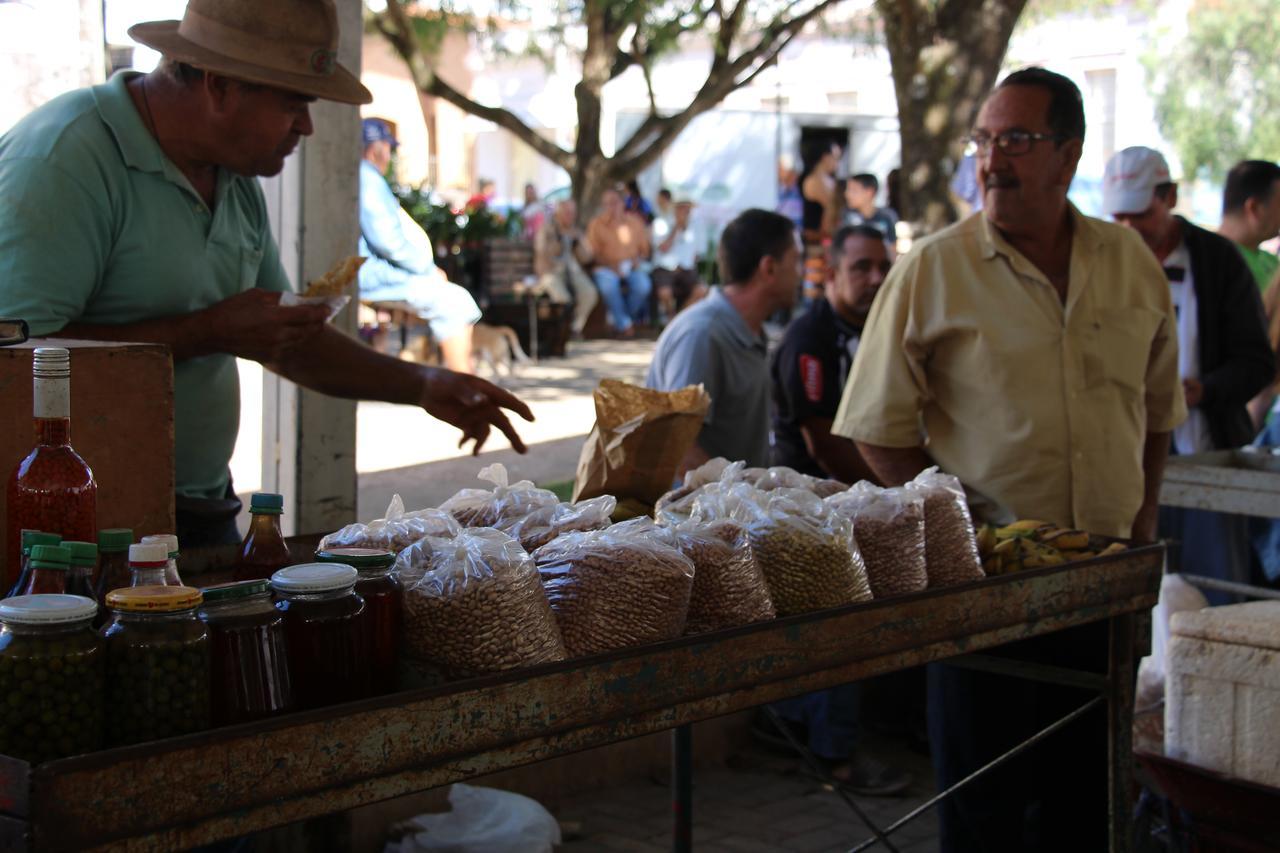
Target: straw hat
{"points": [[289, 44]]}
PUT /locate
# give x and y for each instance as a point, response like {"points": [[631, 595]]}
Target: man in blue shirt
{"points": [[401, 266]]}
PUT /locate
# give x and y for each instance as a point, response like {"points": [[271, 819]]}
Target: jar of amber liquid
{"points": [[383, 610], [324, 631], [249, 655]]}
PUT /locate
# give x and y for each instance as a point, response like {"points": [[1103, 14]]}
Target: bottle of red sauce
{"points": [[263, 551], [53, 489]]}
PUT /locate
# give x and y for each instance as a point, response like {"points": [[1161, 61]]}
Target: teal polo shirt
{"points": [[98, 226]]}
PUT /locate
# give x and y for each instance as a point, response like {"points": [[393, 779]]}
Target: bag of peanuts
{"points": [[888, 525], [676, 504], [546, 523], [728, 587], [626, 585], [806, 552], [474, 604], [782, 477], [394, 532], [504, 502], [950, 545]]}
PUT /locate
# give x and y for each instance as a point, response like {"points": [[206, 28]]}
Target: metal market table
{"points": [[1244, 481], [228, 782]]}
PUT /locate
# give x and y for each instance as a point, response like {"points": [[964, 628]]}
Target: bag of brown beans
{"points": [[546, 523], [474, 604], [394, 532], [626, 585], [888, 525], [951, 547], [676, 505], [806, 552], [728, 587], [782, 477], [504, 502]]}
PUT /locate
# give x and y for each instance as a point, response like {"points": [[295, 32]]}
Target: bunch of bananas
{"points": [[1032, 544]]}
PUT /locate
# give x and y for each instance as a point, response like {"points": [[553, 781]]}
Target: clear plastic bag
{"points": [[728, 587], [546, 523], [951, 547], [481, 820], [782, 477], [806, 552], [394, 532], [505, 501], [474, 604], [626, 585], [675, 505], [888, 525]]}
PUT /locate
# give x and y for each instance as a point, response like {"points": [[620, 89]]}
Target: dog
{"points": [[497, 346]]}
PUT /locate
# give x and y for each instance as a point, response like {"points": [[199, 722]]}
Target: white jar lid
{"points": [[148, 552], [168, 540], [315, 577], [47, 609]]}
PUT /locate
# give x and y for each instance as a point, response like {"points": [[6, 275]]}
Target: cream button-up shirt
{"points": [[1042, 410]]}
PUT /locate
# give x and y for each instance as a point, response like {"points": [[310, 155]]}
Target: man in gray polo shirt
{"points": [[720, 343]]}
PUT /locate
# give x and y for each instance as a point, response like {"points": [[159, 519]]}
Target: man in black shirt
{"points": [[812, 362]]}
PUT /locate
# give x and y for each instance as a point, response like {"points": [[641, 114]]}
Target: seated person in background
{"points": [[636, 203], [860, 205], [534, 212], [619, 243], [675, 261], [401, 266], [559, 252], [665, 207], [812, 362], [485, 192]]}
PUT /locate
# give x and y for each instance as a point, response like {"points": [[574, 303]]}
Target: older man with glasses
{"points": [[1036, 350]]}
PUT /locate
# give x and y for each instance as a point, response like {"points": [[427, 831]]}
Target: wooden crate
{"points": [[121, 423]]}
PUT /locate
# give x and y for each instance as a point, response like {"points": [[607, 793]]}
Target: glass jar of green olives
{"points": [[157, 664], [51, 671]]}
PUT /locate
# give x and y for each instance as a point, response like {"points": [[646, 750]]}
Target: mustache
{"points": [[1001, 182]]}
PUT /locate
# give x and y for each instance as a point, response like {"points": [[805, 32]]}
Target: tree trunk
{"points": [[944, 64]]}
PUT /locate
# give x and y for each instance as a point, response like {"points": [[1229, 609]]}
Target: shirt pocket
{"points": [[1121, 349]]}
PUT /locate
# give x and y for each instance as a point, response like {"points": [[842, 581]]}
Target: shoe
{"points": [[865, 775]]}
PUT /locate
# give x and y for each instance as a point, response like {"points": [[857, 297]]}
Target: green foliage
{"points": [[1217, 91]]}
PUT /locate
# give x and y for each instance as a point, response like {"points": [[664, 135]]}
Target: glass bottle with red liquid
{"points": [[30, 539], [84, 565], [263, 551], [53, 488], [113, 551], [49, 564]]}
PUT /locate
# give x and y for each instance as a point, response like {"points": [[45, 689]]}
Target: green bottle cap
{"points": [[236, 591], [266, 502], [361, 558], [114, 540], [50, 556], [82, 553], [32, 538]]}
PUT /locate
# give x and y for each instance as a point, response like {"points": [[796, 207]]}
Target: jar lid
{"points": [[361, 558], [154, 599], [82, 553], [51, 554], [114, 539], [315, 577], [235, 591], [168, 540], [48, 609], [151, 554], [266, 502]]}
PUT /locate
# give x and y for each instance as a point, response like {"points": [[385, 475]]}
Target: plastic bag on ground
{"points": [[482, 820], [806, 552], [545, 523], [395, 531], [474, 604], [728, 587], [888, 525], [950, 546], [626, 585], [505, 501]]}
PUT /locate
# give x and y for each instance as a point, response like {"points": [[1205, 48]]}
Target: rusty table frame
{"points": [[224, 783]]}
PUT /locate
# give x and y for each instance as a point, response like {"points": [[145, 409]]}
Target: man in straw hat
{"points": [[132, 213]]}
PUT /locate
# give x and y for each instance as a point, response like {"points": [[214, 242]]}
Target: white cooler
{"points": [[1222, 694]]}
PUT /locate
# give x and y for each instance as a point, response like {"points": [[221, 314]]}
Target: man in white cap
{"points": [[675, 260], [132, 213], [1224, 356]]}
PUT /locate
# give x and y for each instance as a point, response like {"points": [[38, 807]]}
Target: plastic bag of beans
{"points": [[504, 502], [782, 477], [394, 532], [626, 585], [950, 545], [888, 525], [805, 551], [545, 523], [474, 604], [728, 587]]}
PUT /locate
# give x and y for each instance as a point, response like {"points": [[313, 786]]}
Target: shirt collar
{"points": [[737, 326], [1085, 235], [138, 147]]}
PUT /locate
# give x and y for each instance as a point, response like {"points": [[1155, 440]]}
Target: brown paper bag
{"points": [[638, 441]]}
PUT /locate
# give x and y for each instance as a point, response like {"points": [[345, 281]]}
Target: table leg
{"points": [[682, 789], [533, 329], [1120, 698]]}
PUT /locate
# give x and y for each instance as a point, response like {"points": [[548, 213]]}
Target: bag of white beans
{"points": [[506, 501], [395, 531]]}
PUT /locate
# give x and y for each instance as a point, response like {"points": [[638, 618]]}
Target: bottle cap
{"points": [[148, 554], [51, 363], [32, 538], [361, 558], [114, 540], [82, 553], [315, 577], [154, 599], [236, 591], [48, 609], [266, 502], [168, 540], [51, 556]]}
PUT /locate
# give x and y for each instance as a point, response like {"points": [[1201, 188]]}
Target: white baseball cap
{"points": [[1130, 180]]}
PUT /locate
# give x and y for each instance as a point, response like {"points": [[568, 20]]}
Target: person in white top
{"points": [[675, 260]]}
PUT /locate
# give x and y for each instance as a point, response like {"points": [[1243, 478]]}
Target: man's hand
{"points": [[252, 325], [1144, 524], [1194, 391], [472, 405]]}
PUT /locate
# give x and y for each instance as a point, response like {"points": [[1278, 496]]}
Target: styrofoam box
{"points": [[1222, 694]]}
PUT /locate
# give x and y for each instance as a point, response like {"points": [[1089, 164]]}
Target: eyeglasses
{"points": [[1011, 143]]}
